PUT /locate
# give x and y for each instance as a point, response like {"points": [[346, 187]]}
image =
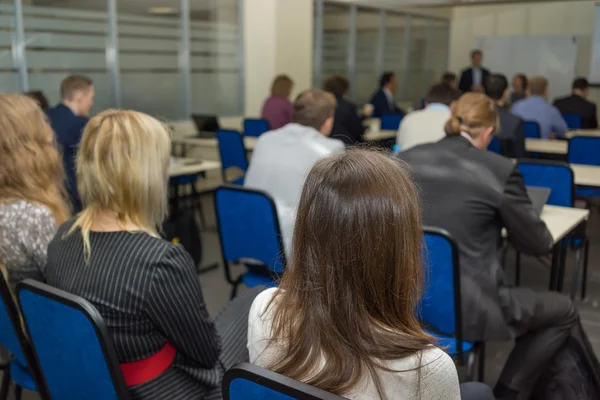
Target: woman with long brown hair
{"points": [[343, 318], [32, 194]]}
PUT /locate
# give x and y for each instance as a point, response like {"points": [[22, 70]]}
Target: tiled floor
{"points": [[534, 274]]}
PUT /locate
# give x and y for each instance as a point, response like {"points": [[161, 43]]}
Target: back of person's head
{"points": [[440, 93], [474, 114], [449, 78], [581, 84], [122, 167], [496, 86], [522, 78], [315, 108], [343, 304], [538, 86], [386, 78], [337, 85], [39, 97], [77, 92], [31, 167], [282, 86]]}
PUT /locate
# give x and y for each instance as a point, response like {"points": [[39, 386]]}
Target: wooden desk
{"points": [[379, 135], [583, 132], [586, 175], [186, 166], [547, 146], [561, 221]]}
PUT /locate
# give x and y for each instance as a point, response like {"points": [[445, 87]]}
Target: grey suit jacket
{"points": [[511, 134], [473, 194]]}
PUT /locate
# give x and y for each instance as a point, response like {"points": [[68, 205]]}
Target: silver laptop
{"points": [[539, 197]]}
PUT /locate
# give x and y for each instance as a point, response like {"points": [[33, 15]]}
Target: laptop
{"points": [[206, 125], [538, 196]]}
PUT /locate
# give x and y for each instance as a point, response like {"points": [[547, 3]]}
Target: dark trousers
{"points": [[544, 321]]}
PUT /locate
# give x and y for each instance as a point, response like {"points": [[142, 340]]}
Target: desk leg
{"points": [[563, 261], [556, 250]]}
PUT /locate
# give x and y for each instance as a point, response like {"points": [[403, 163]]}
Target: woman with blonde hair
{"points": [[145, 288], [278, 108], [344, 316], [32, 193]]}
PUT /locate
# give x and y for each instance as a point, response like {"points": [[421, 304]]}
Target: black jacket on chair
{"points": [[347, 125], [473, 194], [511, 134], [466, 79], [577, 105]]}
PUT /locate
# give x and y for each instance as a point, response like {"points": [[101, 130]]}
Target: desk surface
{"points": [[547, 146], [379, 135], [586, 175], [562, 220], [583, 132], [187, 166]]}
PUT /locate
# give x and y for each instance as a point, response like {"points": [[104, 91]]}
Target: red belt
{"points": [[142, 371]]}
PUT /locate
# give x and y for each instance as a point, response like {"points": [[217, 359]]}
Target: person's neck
{"points": [[71, 106], [579, 93], [500, 103], [107, 221]]}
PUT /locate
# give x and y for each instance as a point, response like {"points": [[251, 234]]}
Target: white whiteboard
{"points": [[594, 76], [554, 57]]}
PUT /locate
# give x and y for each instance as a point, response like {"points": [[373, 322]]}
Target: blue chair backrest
{"points": [[532, 130], [249, 227], [249, 382], [390, 122], [554, 175], [440, 305], [232, 150], [71, 343], [494, 145], [255, 127], [584, 150], [573, 121]]}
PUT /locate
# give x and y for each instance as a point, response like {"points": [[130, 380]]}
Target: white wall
{"points": [[554, 18]]}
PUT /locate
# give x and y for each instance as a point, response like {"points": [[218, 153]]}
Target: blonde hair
{"points": [[472, 113], [538, 85], [282, 86], [31, 167], [122, 166]]}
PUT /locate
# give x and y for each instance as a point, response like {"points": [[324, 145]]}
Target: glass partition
{"points": [[336, 40], [368, 64], [9, 79], [418, 76], [394, 49]]}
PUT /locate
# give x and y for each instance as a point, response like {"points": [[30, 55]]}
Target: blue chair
{"points": [[24, 370], [249, 382], [573, 121], [72, 344], [532, 130], [494, 145], [255, 127], [440, 308], [390, 122], [585, 150], [249, 234], [232, 152]]}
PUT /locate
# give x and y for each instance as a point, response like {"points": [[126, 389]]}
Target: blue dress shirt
{"points": [[477, 76], [536, 108]]}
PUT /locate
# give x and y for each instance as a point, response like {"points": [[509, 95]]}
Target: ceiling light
{"points": [[162, 10]]}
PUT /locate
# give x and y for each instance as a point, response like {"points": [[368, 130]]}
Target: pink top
{"points": [[277, 111]]}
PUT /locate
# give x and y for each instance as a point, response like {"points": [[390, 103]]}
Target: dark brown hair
{"points": [[448, 77], [282, 86], [441, 93], [39, 97], [313, 107], [347, 302], [472, 113], [72, 84], [336, 85]]}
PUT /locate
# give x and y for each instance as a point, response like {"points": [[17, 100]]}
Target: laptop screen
{"points": [[538, 196]]}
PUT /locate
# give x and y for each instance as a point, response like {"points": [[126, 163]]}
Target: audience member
{"points": [[277, 109], [68, 120], [577, 104], [282, 158], [32, 194], [145, 288], [383, 99], [449, 78], [343, 316], [39, 97], [473, 78], [536, 108], [519, 91], [472, 194], [511, 131], [427, 125], [347, 124]]}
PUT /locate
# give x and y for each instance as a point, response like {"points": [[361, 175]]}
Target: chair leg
{"points": [[471, 366], [5, 384], [481, 363], [18, 392], [234, 290], [575, 274], [586, 255], [518, 269]]}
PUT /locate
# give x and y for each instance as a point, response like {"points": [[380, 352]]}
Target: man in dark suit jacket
{"points": [[383, 99], [578, 104], [472, 194], [473, 78], [512, 128], [347, 124], [68, 119]]}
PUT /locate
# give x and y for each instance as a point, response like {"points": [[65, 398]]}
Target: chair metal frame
{"points": [[274, 381], [236, 282], [255, 119], [90, 312], [223, 168], [478, 350]]}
